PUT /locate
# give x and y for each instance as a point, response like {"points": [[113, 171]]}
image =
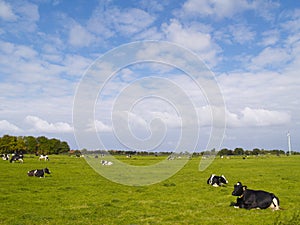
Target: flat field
{"points": [[75, 194]]}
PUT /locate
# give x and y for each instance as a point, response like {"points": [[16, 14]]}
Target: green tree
{"points": [[54, 146], [20, 144], [256, 151], [8, 144], [238, 151], [64, 147], [43, 145], [31, 144]]}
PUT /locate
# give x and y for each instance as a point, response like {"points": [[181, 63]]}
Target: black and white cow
{"points": [[38, 173], [106, 163], [217, 181], [254, 199], [5, 156], [45, 157], [16, 157]]}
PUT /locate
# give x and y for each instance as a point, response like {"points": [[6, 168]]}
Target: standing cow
{"points": [[45, 157], [254, 199]]}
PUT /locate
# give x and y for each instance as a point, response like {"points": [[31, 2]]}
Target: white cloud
{"points": [[113, 21], [257, 118], [6, 12], [216, 8], [6, 126], [131, 21], [270, 37], [28, 11], [241, 33], [21, 16], [193, 38], [220, 9], [40, 125], [100, 126], [80, 36], [271, 57]]}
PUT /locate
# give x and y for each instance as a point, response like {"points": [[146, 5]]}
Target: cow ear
{"points": [[244, 188]]}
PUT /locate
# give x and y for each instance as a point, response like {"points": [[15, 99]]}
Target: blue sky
{"points": [[252, 48]]}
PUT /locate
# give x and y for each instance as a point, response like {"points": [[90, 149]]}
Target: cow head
{"points": [[238, 189], [223, 179], [46, 170]]}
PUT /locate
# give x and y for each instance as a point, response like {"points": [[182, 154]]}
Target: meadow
{"points": [[75, 194]]}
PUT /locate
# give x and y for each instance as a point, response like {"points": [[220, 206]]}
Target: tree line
{"points": [[221, 152], [32, 145], [255, 151]]}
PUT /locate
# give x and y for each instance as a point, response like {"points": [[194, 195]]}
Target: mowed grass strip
{"points": [[75, 194]]}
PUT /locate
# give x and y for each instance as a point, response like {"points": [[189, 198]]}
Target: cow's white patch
{"points": [[274, 205], [210, 179], [225, 179]]}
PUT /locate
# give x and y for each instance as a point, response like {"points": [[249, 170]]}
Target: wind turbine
{"points": [[289, 142]]}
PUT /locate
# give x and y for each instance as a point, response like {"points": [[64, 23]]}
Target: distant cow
{"points": [[5, 156], [106, 163], [217, 181], [16, 157], [45, 157], [38, 173], [251, 199]]}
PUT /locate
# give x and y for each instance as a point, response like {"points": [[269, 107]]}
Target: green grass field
{"points": [[75, 194]]}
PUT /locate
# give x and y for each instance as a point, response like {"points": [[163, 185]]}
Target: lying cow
{"points": [[5, 156], [106, 163], [16, 157], [249, 199], [217, 181], [38, 173]]}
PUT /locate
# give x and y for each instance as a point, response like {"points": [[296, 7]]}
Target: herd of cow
{"points": [[247, 198], [32, 173]]}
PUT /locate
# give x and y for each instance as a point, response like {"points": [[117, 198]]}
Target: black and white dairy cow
{"points": [[5, 156], [16, 157], [106, 163], [38, 173], [45, 157], [217, 181], [254, 199]]}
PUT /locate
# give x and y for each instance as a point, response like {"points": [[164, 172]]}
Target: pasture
{"points": [[75, 194]]}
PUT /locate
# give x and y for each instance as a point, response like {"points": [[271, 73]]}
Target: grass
{"points": [[75, 194]]}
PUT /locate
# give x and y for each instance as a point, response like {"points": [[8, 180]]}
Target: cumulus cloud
{"points": [[111, 20], [271, 57], [100, 126], [20, 16], [41, 125], [132, 20], [80, 36], [195, 38], [6, 12], [270, 37], [6, 126], [219, 9], [241, 33], [257, 118]]}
